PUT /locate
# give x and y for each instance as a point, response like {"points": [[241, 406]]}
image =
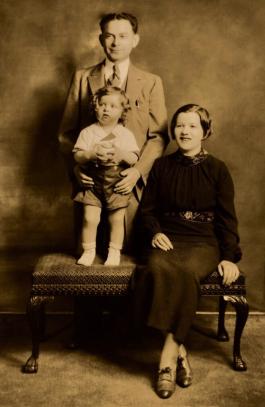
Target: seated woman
{"points": [[188, 214]]}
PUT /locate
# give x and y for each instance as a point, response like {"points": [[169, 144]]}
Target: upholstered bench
{"points": [[59, 275]]}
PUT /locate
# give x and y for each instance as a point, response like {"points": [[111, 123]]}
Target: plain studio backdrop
{"points": [[208, 52]]}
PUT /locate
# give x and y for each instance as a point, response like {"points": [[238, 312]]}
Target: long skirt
{"points": [[166, 291]]}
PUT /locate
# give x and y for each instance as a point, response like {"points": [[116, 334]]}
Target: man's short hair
{"points": [[119, 16]]}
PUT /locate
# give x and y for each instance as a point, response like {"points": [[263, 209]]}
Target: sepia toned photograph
{"points": [[132, 244]]}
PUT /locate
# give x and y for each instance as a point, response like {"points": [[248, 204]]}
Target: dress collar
{"points": [[193, 160]]}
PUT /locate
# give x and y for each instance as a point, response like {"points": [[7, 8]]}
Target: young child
{"points": [[104, 149]]}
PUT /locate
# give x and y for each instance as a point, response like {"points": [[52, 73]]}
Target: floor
{"points": [[111, 371]]}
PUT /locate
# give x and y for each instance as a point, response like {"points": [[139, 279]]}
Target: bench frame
{"points": [[49, 280]]}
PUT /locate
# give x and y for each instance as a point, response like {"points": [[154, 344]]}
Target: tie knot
{"points": [[114, 79], [116, 71]]}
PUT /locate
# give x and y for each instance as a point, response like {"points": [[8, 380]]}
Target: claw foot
{"points": [[223, 336], [239, 364], [31, 366]]}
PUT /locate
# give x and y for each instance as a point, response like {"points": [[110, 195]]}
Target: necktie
{"points": [[115, 78]]}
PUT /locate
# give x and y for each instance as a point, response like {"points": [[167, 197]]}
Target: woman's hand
{"points": [[83, 179], [162, 242], [229, 271]]}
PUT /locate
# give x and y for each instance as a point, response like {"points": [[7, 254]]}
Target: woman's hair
{"points": [[205, 119], [119, 16], [114, 90]]}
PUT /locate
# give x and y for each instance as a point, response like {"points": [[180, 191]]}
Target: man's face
{"points": [[118, 40]]}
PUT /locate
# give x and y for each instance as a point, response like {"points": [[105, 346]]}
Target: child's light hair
{"points": [[114, 90]]}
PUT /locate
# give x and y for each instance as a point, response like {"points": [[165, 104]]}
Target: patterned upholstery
{"points": [[58, 274], [212, 285]]}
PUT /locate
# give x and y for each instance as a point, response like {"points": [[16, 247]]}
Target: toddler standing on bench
{"points": [[103, 150]]}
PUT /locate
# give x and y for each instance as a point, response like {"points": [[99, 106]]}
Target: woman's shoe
{"points": [[184, 372], [166, 383]]}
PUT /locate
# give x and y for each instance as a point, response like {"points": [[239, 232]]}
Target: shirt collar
{"points": [[123, 67], [101, 132]]}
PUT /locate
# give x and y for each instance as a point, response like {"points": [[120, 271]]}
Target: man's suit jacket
{"points": [[147, 118]]}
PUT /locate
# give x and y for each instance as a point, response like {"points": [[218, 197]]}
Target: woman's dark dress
{"points": [[191, 200]]}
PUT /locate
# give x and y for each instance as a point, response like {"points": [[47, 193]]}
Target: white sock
{"points": [[114, 255], [88, 255]]}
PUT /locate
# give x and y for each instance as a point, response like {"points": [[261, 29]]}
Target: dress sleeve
{"points": [[225, 218], [148, 205]]}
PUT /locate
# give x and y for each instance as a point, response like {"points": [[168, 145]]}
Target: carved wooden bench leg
{"points": [[222, 334], [36, 316], [241, 306]]}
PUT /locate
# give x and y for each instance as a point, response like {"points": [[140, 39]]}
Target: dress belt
{"points": [[192, 216]]}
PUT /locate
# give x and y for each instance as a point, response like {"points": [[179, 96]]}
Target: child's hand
{"points": [[104, 151], [118, 154]]}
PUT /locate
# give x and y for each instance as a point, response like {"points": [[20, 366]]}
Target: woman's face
{"points": [[189, 133]]}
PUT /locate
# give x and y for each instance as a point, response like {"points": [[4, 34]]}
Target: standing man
{"points": [[147, 118]]}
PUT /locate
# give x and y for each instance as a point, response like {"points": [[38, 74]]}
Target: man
{"points": [[147, 118]]}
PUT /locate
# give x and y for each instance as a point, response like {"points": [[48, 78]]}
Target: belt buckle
{"points": [[188, 215]]}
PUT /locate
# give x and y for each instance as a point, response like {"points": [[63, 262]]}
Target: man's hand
{"points": [[83, 179], [126, 185], [229, 271], [161, 241]]}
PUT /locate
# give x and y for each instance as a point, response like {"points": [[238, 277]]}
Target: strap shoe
{"points": [[184, 372], [166, 382]]}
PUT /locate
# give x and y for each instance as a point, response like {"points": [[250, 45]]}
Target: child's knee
{"points": [[117, 215], [92, 215]]}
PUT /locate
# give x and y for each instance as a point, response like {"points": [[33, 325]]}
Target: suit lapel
{"points": [[134, 84], [96, 78]]}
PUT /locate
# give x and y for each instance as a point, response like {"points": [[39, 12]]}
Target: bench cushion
{"points": [[58, 274], [212, 285]]}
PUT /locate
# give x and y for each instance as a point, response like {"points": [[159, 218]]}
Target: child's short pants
{"points": [[102, 194]]}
